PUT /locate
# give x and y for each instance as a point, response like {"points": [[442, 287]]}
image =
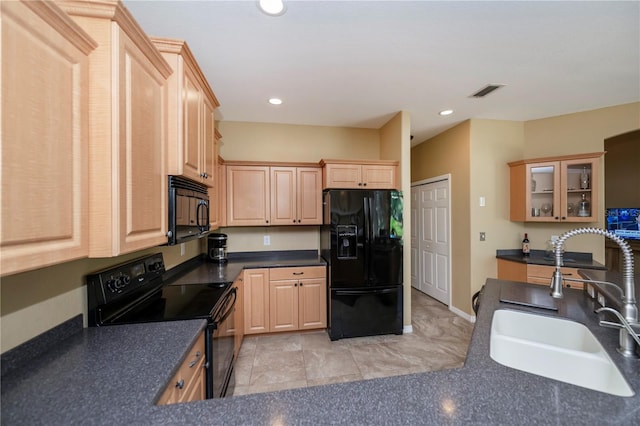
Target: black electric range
{"points": [[137, 292]]}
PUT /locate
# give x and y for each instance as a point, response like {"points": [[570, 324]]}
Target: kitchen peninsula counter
{"points": [[121, 389]]}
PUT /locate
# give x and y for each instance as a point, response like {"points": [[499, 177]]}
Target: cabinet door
{"points": [[45, 139], [256, 301], [239, 316], [142, 180], [579, 190], [342, 176], [192, 130], [209, 145], [248, 200], [312, 303], [378, 176], [283, 196], [309, 195], [543, 187], [283, 305]]}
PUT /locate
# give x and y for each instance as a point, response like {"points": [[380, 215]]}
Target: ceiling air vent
{"points": [[486, 90]]}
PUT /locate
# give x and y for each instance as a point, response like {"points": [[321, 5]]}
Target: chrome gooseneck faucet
{"points": [[629, 311]]}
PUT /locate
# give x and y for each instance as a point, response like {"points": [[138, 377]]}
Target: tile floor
{"points": [[439, 341]]}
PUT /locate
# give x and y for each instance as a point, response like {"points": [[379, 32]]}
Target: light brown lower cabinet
{"points": [[285, 299], [188, 384], [535, 274]]}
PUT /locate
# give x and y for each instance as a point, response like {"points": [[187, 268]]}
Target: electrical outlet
{"points": [[267, 240], [483, 236], [182, 249], [483, 202]]}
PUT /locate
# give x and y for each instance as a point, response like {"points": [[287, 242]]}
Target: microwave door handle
{"points": [[202, 204]]}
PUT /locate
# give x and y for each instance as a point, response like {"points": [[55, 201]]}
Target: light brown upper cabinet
{"points": [[555, 189], [45, 137], [370, 174], [127, 148], [273, 194], [248, 195], [296, 195], [191, 105]]}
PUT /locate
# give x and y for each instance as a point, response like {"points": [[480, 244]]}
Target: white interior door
{"points": [[434, 240], [415, 265]]}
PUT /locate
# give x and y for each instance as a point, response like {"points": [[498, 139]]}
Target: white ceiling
{"points": [[356, 63]]}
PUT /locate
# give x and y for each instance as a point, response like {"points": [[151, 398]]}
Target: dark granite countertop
{"points": [[539, 257], [92, 380], [200, 271]]}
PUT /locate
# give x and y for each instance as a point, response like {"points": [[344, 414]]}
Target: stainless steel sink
{"points": [[555, 348]]}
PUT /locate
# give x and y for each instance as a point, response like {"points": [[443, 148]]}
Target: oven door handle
{"points": [[231, 305]]}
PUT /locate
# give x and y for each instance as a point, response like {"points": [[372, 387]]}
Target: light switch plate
{"points": [[483, 236]]}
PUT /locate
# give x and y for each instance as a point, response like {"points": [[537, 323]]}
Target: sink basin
{"points": [[555, 348]]}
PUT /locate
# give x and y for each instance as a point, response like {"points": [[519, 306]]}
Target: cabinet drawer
{"points": [[297, 273], [540, 274], [181, 384]]}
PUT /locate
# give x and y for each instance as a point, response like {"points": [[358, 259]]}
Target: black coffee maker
{"points": [[217, 248]]}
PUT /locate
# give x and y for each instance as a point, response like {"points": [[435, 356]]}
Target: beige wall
{"points": [[576, 133], [449, 153], [287, 142], [493, 144], [36, 301], [395, 144]]}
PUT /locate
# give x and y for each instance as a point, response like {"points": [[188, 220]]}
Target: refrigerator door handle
{"points": [[360, 292], [367, 231]]}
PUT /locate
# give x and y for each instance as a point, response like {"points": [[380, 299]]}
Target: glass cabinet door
{"points": [[579, 194], [543, 192]]}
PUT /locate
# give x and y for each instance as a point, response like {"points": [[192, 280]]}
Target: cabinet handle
{"points": [[360, 184], [267, 221], [294, 221], [298, 220], [364, 184], [298, 273], [300, 284], [195, 361], [180, 384], [295, 285]]}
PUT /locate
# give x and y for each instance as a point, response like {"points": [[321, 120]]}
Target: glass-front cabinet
{"points": [[558, 189]]}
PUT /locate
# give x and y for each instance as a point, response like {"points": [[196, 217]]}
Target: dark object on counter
{"points": [[525, 295], [475, 300], [364, 259], [525, 245], [217, 248], [136, 292], [188, 210]]}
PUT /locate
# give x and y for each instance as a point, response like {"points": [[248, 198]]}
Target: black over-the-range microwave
{"points": [[188, 210]]}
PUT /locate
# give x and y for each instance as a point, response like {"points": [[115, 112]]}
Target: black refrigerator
{"points": [[361, 240]]}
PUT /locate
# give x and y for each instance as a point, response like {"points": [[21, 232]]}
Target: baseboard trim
{"points": [[470, 318]]}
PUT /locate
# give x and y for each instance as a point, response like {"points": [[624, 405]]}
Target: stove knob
{"points": [[126, 279], [111, 285], [155, 266], [118, 283]]}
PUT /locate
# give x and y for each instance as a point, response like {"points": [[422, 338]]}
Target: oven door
{"points": [[222, 338]]}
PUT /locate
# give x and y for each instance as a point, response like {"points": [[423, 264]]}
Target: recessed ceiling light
{"points": [[275, 101], [271, 7], [446, 112]]}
